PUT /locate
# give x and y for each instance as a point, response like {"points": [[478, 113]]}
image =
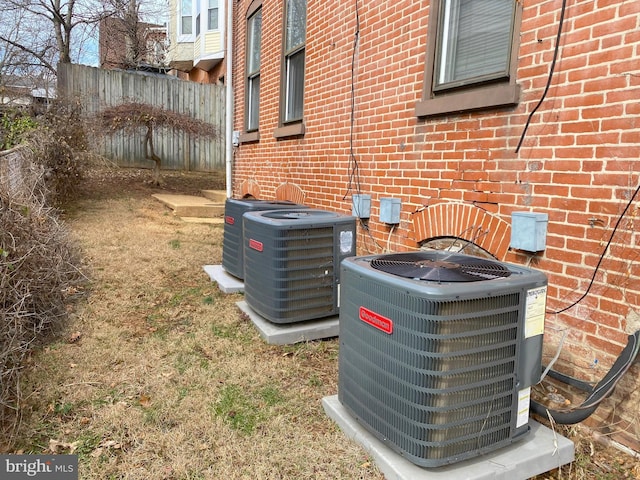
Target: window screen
{"points": [[212, 15], [295, 37], [254, 36], [186, 20], [474, 41]]}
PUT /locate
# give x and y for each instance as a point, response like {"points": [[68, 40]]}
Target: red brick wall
{"points": [[112, 43], [578, 163]]}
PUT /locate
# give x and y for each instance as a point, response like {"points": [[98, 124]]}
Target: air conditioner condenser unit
{"points": [[438, 351], [232, 242], [292, 262]]}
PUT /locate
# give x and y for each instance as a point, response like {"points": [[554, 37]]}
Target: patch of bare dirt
{"points": [[101, 181]]}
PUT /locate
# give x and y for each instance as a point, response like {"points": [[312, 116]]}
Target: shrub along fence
{"points": [[39, 272], [98, 88]]}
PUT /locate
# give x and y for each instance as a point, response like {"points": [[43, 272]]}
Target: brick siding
{"points": [[578, 162]]}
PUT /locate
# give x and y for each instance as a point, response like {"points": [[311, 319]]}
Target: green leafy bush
{"points": [[14, 126]]}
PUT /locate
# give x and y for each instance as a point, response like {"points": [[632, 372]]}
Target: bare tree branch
{"points": [[134, 117], [39, 34], [40, 56]]}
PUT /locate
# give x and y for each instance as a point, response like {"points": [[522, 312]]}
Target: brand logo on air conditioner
{"points": [[376, 320], [229, 220], [256, 245]]}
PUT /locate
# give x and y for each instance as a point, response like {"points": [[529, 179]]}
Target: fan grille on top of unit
{"points": [[436, 267]]}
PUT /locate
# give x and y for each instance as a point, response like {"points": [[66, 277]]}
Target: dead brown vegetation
{"points": [[60, 145], [159, 375], [39, 275]]}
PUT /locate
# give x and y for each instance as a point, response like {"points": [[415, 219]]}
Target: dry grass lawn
{"points": [[159, 375]]}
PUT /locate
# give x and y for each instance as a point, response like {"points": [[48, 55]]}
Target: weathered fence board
{"points": [[97, 88]]}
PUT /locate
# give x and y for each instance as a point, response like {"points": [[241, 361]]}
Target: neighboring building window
{"points": [[254, 36], [294, 60], [472, 55], [198, 17], [186, 17], [212, 15]]}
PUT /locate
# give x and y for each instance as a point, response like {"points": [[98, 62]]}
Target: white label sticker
{"points": [[534, 313], [524, 402], [346, 242]]}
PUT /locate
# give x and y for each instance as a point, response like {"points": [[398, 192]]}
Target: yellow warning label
{"points": [[535, 311]]}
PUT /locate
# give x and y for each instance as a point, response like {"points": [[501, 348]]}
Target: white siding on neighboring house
{"points": [[202, 49]]}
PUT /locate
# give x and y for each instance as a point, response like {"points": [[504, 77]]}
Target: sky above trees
{"points": [[37, 34]]}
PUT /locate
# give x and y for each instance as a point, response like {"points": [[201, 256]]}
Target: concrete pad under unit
{"points": [[226, 282], [287, 334], [540, 451]]}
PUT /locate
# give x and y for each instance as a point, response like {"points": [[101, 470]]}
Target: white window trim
{"points": [[185, 38], [217, 7]]}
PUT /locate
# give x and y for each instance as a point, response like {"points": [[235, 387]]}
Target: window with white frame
{"points": [[198, 9], [254, 37], [186, 17], [294, 61], [471, 56], [212, 15]]}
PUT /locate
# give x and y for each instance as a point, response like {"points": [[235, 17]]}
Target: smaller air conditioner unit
{"points": [[232, 249], [292, 262], [438, 351]]}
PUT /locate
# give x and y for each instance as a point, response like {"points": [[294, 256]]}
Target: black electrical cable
{"points": [[595, 271], [552, 68], [569, 380], [605, 387], [354, 168], [602, 390]]}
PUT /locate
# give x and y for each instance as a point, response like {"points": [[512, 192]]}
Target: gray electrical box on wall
{"points": [[529, 231], [390, 210], [361, 207]]}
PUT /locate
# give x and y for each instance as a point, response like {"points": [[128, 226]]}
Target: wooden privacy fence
{"points": [[12, 167], [97, 88]]}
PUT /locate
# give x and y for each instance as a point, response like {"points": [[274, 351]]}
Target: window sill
{"points": [[293, 130], [476, 99], [249, 137]]}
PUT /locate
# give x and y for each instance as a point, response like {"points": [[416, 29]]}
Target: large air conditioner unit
{"points": [[439, 350], [292, 262], [232, 244]]}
